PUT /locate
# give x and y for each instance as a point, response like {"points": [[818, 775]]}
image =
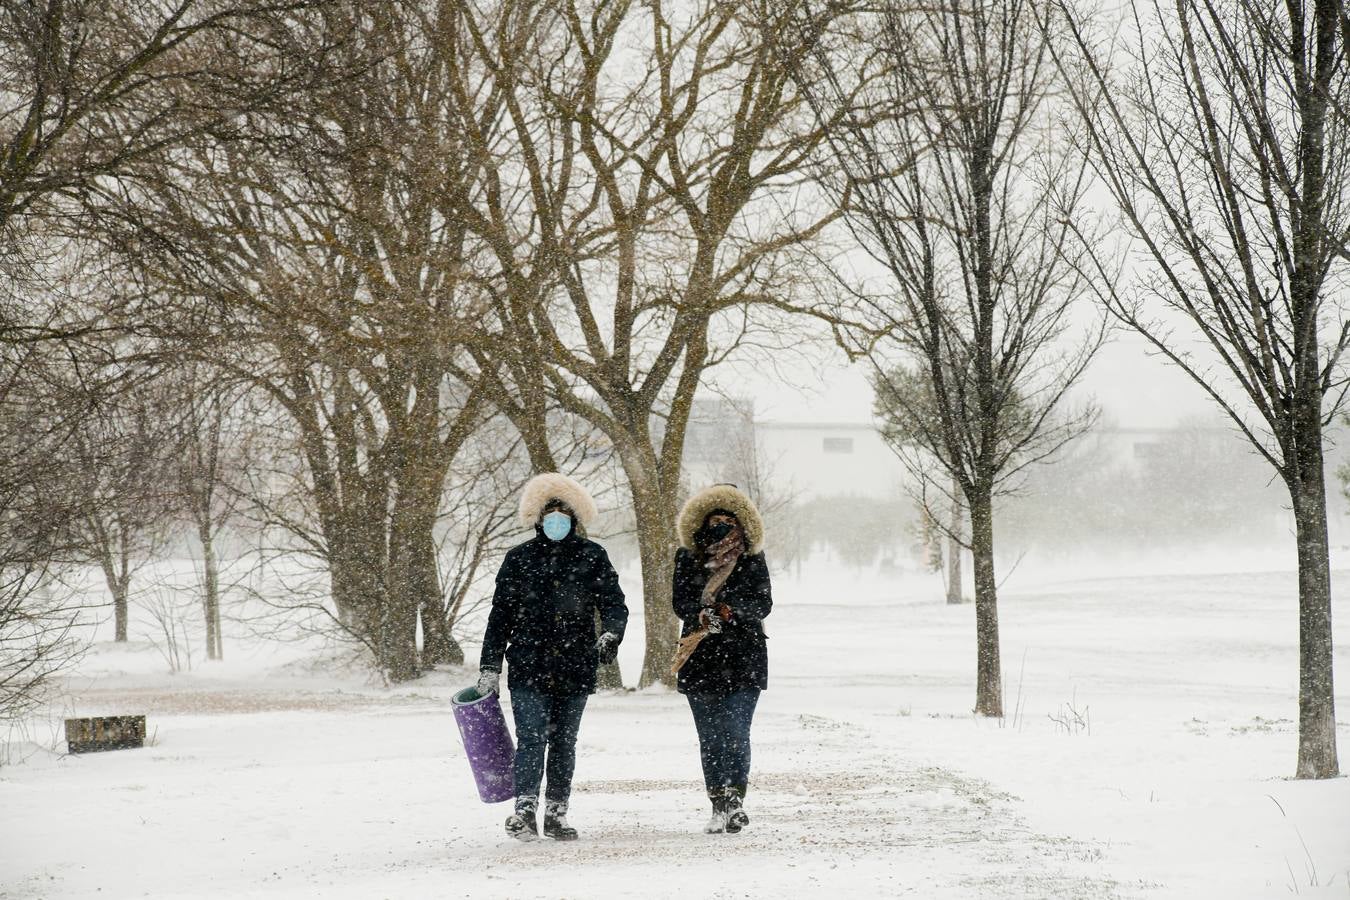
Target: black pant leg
{"points": [[711, 722], [530, 709], [564, 725], [740, 716]]}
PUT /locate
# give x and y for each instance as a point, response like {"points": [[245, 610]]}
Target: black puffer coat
{"points": [[543, 613], [737, 658]]}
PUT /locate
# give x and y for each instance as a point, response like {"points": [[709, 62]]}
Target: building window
{"points": [[838, 445]]}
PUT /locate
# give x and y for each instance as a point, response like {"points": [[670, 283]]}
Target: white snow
{"points": [[871, 777]]}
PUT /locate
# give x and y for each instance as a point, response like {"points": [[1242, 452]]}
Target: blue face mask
{"points": [[557, 525]]}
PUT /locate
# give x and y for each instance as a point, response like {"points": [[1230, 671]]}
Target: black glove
{"points": [[608, 647]]}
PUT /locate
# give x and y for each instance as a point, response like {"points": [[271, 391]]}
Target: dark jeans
{"points": [[544, 720], [723, 724]]}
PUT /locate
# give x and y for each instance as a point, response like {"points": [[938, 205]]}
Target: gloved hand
{"points": [[712, 617], [608, 647], [488, 680]]}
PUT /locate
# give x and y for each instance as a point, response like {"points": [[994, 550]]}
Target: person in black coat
{"points": [[722, 596], [549, 590]]}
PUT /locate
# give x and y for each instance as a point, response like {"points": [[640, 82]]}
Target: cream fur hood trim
{"points": [[721, 496], [552, 486]]}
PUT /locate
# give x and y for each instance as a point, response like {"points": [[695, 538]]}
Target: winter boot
{"points": [[523, 825], [736, 817], [718, 823], [555, 821]]}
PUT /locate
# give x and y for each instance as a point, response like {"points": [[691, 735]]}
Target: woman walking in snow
{"points": [[721, 595], [543, 621]]}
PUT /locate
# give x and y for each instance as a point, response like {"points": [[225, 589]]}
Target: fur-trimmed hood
{"points": [[721, 496], [554, 486]]}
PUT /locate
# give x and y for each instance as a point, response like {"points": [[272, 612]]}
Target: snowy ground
{"points": [[1146, 753]]}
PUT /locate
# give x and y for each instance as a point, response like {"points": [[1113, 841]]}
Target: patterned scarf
{"points": [[719, 559]]}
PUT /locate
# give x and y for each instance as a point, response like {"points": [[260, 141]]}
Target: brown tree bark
{"points": [[655, 514], [118, 581], [415, 589], [1317, 755], [989, 670], [120, 614], [1317, 751], [404, 598]]}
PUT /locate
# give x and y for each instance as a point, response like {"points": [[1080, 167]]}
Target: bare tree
{"points": [[170, 636], [1223, 135], [645, 199], [319, 264], [92, 90], [39, 617], [92, 87], [205, 473], [118, 457], [961, 187]]}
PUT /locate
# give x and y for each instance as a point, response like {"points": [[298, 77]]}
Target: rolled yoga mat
{"points": [[487, 744]]}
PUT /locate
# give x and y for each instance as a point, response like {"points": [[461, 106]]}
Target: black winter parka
{"points": [[543, 613], [737, 658]]}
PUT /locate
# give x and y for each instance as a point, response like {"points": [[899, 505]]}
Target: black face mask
{"points": [[711, 534]]}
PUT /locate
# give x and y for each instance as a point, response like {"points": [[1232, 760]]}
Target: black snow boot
{"points": [[721, 810], [523, 824], [555, 821], [736, 816]]}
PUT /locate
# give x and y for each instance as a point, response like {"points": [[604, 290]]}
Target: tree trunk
{"points": [[357, 568], [1316, 695], [658, 571], [211, 579], [415, 583], [1303, 454], [398, 633], [341, 585], [954, 548], [954, 595], [438, 647], [407, 587], [656, 549], [117, 586], [989, 676], [119, 613]]}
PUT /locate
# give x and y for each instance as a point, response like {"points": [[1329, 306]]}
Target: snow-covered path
{"points": [[870, 776], [372, 801]]}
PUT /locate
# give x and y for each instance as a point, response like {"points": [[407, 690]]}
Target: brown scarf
{"points": [[719, 559]]}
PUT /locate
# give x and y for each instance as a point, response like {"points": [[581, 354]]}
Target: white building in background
{"points": [[816, 460], [804, 460]]}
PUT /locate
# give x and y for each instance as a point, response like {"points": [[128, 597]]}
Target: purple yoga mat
{"points": [[487, 744]]}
